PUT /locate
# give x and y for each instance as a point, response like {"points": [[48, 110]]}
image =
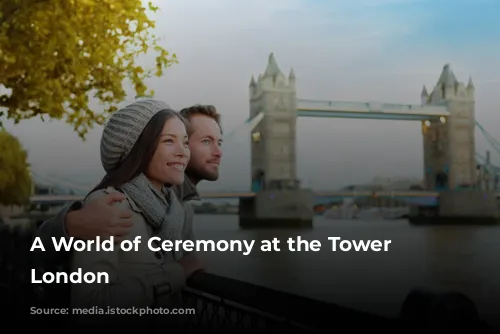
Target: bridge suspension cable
{"points": [[496, 146], [58, 182], [493, 142], [248, 125]]}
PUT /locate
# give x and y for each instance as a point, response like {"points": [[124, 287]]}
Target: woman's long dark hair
{"points": [[137, 161]]}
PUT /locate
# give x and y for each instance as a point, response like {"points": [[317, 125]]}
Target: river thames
{"points": [[458, 257]]}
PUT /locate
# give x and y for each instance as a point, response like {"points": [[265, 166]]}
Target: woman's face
{"points": [[171, 156]]}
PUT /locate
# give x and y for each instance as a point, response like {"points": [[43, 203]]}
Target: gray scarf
{"points": [[159, 209]]}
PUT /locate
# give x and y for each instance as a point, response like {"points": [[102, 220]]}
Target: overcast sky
{"points": [[350, 50]]}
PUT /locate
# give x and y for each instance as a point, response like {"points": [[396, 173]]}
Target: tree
{"points": [[56, 54], [15, 178]]}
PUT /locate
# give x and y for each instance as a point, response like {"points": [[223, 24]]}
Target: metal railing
{"points": [[232, 304], [221, 303]]}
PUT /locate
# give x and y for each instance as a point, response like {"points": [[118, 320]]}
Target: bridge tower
{"points": [[273, 145], [279, 200], [449, 144]]}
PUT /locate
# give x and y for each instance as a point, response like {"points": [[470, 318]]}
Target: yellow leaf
{"points": [[56, 54]]}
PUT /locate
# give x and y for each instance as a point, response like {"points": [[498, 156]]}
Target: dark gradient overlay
{"points": [[320, 285]]}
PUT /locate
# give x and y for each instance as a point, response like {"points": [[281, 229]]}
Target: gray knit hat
{"points": [[124, 128]]}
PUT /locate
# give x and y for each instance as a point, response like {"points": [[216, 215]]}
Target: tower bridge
{"points": [[446, 115]]}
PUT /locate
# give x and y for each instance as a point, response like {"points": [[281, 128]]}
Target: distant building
{"points": [[387, 184], [397, 183], [361, 187]]}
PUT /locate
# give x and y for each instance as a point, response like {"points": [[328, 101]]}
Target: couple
{"points": [[153, 157]]}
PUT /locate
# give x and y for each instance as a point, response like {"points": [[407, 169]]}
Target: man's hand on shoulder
{"points": [[100, 218]]}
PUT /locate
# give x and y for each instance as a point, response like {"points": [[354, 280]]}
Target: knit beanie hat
{"points": [[124, 128]]}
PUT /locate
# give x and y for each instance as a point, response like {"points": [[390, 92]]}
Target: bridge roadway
{"points": [[222, 195]]}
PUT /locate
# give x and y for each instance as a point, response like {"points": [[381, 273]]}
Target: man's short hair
{"points": [[206, 110]]}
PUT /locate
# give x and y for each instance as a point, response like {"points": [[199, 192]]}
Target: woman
{"points": [[144, 147]]}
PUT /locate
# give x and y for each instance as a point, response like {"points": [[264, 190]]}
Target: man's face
{"points": [[205, 144]]}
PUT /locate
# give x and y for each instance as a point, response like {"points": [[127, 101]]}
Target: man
{"points": [[101, 218]]}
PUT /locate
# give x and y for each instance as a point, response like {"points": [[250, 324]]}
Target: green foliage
{"points": [[55, 53], [15, 178]]}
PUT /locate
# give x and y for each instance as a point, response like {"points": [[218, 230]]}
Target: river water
{"points": [[457, 257]]}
